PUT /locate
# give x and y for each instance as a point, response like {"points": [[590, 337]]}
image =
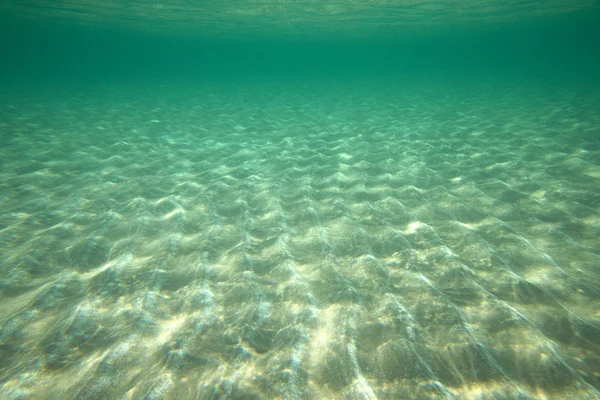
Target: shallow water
{"points": [[319, 221]]}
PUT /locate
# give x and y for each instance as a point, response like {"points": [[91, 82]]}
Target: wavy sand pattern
{"points": [[300, 242]]}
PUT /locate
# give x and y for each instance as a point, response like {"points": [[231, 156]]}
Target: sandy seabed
{"points": [[300, 242]]}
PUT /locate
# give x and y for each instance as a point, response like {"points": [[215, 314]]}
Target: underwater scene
{"points": [[280, 199]]}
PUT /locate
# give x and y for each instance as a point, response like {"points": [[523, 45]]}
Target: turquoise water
{"points": [[282, 200]]}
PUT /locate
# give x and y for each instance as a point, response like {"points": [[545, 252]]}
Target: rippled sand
{"points": [[308, 242]]}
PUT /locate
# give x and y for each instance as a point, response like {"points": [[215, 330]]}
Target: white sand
{"points": [[375, 241]]}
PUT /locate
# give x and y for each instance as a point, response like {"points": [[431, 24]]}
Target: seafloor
{"points": [[301, 241]]}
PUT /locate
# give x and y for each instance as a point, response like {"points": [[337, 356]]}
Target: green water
{"points": [[283, 200]]}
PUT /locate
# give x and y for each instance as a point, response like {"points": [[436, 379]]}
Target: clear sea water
{"points": [[300, 200]]}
